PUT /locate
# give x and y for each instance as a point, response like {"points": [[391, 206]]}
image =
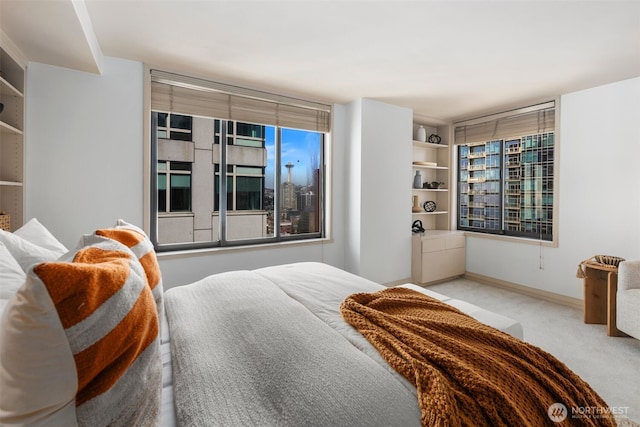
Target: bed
{"points": [[308, 296], [296, 344]]}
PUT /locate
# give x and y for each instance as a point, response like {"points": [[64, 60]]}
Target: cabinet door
{"points": [[442, 264], [455, 242]]}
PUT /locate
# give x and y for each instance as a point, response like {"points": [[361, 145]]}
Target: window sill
{"points": [[245, 248], [513, 239]]}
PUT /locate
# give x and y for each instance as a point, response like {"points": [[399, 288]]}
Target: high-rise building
{"points": [[188, 152]]}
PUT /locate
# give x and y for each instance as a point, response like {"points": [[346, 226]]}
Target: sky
{"points": [[301, 148]]}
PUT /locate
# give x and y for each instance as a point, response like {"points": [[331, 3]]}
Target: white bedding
{"points": [[314, 292], [168, 412]]}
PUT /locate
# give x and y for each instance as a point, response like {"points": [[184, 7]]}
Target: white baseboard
{"points": [[537, 293]]}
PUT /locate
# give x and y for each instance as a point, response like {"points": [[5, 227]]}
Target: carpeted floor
{"points": [[610, 365]]}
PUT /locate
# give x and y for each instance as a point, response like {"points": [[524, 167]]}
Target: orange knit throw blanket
{"points": [[467, 373]]}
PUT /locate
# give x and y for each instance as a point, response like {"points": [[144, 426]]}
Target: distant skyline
{"points": [[300, 147]]}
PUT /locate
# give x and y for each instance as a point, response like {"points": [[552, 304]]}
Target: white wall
{"points": [[379, 195], [84, 147], [352, 184], [84, 156], [599, 211], [84, 170]]}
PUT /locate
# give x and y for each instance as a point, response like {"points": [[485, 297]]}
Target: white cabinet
{"points": [[11, 138], [437, 255]]}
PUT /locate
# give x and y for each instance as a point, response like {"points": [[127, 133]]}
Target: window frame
{"points": [[500, 235], [222, 201]]}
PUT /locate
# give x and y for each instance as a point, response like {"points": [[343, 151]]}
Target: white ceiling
{"points": [[444, 59]]}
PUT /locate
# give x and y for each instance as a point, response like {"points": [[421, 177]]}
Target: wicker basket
{"points": [[5, 221], [608, 260], [599, 262]]}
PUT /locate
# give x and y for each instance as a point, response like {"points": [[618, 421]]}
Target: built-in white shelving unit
{"points": [[439, 252], [432, 160], [12, 83]]}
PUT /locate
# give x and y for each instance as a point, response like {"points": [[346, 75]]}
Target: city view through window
{"points": [[273, 181], [506, 186]]}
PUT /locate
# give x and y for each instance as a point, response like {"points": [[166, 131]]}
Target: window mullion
{"points": [[277, 183], [222, 193], [154, 178]]}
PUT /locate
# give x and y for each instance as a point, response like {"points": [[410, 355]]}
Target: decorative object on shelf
{"points": [[434, 139], [1, 107], [417, 180], [5, 221], [417, 226], [429, 206], [421, 134], [434, 185], [416, 205]]}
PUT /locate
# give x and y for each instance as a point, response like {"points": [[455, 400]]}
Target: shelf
{"points": [[10, 184], [7, 89], [7, 128], [429, 144], [430, 167], [430, 213], [430, 189]]}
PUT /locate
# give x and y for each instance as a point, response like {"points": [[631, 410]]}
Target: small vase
{"points": [[421, 134], [416, 205], [417, 180]]}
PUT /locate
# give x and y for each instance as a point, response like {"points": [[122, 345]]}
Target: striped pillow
{"points": [[80, 343], [138, 241]]}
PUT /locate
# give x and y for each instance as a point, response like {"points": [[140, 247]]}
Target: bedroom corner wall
{"points": [[599, 197], [378, 219]]}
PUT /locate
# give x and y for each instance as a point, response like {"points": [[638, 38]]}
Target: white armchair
{"points": [[628, 298]]}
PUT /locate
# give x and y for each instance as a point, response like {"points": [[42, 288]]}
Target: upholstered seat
{"points": [[628, 298]]}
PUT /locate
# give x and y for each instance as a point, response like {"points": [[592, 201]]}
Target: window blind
{"points": [[198, 97], [525, 121]]}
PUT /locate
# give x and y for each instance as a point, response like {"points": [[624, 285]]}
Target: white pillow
{"points": [[33, 231], [79, 343], [137, 240], [11, 274], [25, 252]]}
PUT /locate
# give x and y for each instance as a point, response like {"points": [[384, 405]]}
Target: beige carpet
{"points": [[610, 365]]}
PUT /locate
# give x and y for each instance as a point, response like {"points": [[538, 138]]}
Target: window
{"points": [[178, 175], [174, 126], [234, 166], [245, 188], [506, 173]]}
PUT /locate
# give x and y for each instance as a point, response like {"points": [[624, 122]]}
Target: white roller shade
{"points": [[197, 97], [525, 121]]}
